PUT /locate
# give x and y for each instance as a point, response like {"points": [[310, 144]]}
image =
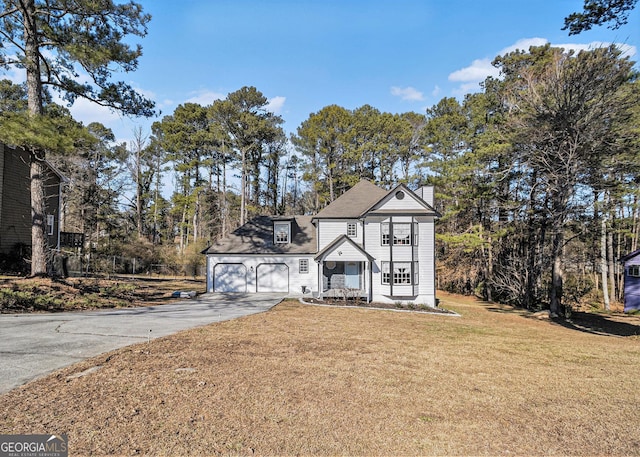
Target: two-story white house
{"points": [[370, 242]]}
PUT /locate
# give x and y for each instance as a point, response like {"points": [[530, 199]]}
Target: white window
{"points": [[399, 272], [352, 229], [402, 234], [50, 223], [634, 270], [384, 232], [384, 268], [303, 266], [282, 232], [402, 272]]}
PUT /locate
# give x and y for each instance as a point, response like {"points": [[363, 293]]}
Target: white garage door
{"points": [[230, 277], [273, 277]]}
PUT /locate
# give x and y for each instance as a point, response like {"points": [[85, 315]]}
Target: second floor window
{"points": [[282, 232], [384, 230], [352, 229], [402, 234]]}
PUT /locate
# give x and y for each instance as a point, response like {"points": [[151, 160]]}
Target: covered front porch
{"points": [[344, 279], [345, 270]]}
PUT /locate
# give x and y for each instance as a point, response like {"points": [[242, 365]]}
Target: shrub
{"points": [[22, 299]]}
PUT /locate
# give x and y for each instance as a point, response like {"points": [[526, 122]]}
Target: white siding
{"points": [[407, 203], [402, 253], [346, 252], [329, 230], [296, 280], [427, 252], [424, 292]]}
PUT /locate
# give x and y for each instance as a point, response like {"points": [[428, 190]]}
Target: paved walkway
{"points": [[32, 345]]}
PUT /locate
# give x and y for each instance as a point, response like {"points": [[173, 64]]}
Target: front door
{"points": [[352, 275]]}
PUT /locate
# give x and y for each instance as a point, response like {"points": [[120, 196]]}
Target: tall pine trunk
{"points": [[612, 267], [603, 262], [38, 217], [243, 188], [559, 204], [38, 166]]}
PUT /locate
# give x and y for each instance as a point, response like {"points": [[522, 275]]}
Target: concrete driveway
{"points": [[32, 345]]}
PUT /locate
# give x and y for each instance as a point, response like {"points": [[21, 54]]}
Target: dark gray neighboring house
{"points": [[15, 203]]}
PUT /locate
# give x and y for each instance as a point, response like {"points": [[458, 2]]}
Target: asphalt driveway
{"points": [[32, 345]]}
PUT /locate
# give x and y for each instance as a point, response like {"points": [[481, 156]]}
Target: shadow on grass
{"points": [[594, 323], [601, 324]]}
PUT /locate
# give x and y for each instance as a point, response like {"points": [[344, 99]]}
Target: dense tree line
{"points": [[538, 178]]}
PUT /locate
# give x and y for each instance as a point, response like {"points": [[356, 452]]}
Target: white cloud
{"points": [[436, 91], [204, 97], [477, 71], [523, 44], [15, 75], [88, 112], [480, 69], [407, 93], [466, 88], [276, 104]]}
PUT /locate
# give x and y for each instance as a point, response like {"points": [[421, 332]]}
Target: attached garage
{"points": [[229, 277], [273, 277]]}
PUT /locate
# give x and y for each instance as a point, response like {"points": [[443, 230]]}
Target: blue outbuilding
{"points": [[631, 281]]}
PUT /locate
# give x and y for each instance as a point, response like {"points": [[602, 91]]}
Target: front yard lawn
{"points": [[307, 380]]}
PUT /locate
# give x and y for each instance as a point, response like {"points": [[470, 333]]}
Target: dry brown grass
{"points": [[304, 380]]}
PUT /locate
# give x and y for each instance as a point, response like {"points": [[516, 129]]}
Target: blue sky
{"points": [[398, 56]]}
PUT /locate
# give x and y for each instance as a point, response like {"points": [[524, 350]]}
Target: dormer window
{"points": [[282, 232]]}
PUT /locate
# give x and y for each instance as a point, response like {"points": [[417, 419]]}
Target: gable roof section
{"points": [[338, 242], [630, 256], [256, 237], [367, 198], [354, 202], [422, 207]]}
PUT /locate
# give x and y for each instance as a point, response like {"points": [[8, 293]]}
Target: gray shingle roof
{"points": [[256, 237], [354, 202]]}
